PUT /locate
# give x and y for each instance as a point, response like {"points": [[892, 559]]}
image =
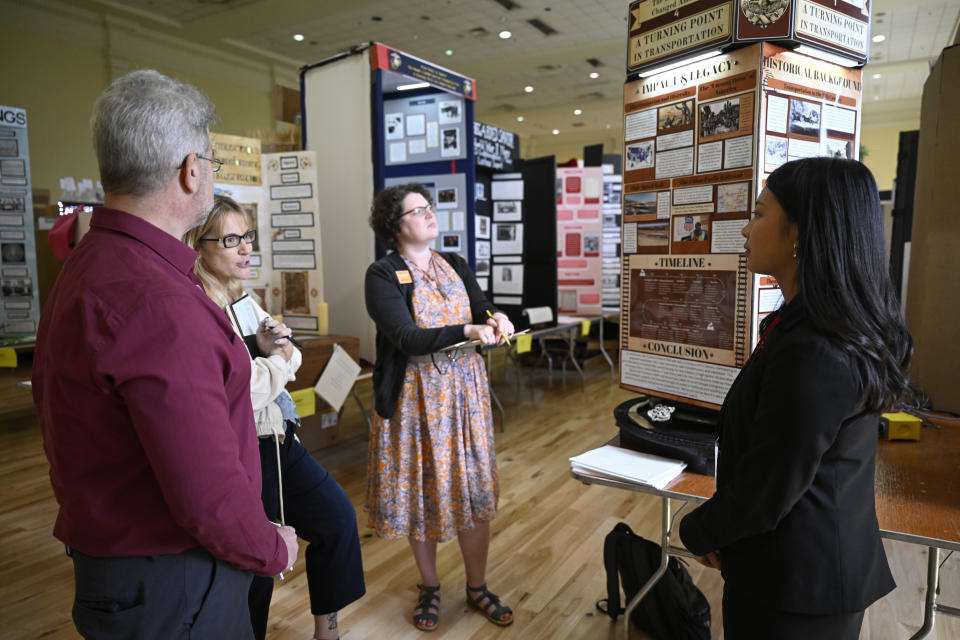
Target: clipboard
{"points": [[478, 343], [243, 313]]}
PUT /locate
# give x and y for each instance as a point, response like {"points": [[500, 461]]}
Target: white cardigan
{"points": [[268, 377]]}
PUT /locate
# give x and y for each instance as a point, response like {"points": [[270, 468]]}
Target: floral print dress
{"points": [[432, 469]]}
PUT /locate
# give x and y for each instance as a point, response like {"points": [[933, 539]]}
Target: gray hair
{"points": [[144, 126]]}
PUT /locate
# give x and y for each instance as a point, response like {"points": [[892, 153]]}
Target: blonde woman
{"points": [[311, 499]]}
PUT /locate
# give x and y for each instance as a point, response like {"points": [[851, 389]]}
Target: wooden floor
{"points": [[546, 552]]}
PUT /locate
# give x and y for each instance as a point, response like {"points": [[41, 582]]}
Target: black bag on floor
{"points": [[674, 609], [689, 434]]}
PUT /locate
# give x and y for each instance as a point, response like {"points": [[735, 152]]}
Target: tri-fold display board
{"points": [[699, 142]]}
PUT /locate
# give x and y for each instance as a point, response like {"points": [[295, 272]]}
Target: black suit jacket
{"points": [[390, 304], [793, 516]]}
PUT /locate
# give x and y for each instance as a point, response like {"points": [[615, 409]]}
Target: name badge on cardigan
{"points": [[403, 277]]}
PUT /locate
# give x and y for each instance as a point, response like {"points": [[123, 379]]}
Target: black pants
{"points": [[317, 507], [745, 619], [176, 596]]}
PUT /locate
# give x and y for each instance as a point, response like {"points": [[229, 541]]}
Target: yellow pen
{"points": [[504, 337]]}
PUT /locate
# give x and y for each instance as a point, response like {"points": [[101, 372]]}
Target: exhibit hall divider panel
{"points": [[497, 155], [20, 311], [376, 117], [579, 238], [699, 141], [610, 248]]}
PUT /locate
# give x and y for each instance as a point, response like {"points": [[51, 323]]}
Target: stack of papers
{"points": [[624, 464]]}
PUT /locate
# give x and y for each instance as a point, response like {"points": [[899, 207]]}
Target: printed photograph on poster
{"points": [[653, 237], [393, 127], [16, 287], [591, 245], [294, 288], [508, 279], [11, 202], [733, 197], [639, 155], [834, 148], [416, 124], [449, 111], [635, 204], [447, 198], [483, 250], [480, 193], [691, 228], [13, 253], [675, 115], [611, 221], [776, 153], [450, 143], [450, 242], [482, 224], [719, 117], [483, 267], [508, 210], [804, 118], [507, 238]]}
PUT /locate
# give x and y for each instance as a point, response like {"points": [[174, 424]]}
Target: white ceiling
{"points": [[590, 36]]}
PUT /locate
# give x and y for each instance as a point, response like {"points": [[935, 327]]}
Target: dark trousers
{"points": [[175, 596], [317, 507], [745, 619]]}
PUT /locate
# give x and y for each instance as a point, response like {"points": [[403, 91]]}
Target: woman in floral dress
{"points": [[432, 470]]}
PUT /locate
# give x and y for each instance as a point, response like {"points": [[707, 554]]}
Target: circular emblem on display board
{"points": [[763, 13], [395, 60], [275, 291], [313, 293]]}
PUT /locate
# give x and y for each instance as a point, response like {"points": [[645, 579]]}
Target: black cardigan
{"points": [[793, 516], [390, 304]]}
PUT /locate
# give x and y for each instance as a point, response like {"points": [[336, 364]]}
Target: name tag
{"points": [[403, 277]]}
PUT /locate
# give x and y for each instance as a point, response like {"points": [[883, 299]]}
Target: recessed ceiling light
{"points": [[879, 37], [448, 52], [505, 34], [877, 76], [594, 75], [577, 112], [298, 37], [556, 132], [519, 118], [528, 88]]}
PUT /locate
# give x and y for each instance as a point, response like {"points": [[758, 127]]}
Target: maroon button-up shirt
{"points": [[142, 390]]}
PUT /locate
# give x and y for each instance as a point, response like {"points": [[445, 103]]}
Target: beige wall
{"points": [[58, 83]]}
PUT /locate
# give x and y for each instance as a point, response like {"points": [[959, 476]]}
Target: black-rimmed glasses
{"points": [[232, 240]]}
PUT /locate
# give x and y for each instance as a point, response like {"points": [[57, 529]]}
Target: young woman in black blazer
{"points": [[792, 525]]}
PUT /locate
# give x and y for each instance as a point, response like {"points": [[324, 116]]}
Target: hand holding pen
{"points": [[501, 323], [279, 332]]}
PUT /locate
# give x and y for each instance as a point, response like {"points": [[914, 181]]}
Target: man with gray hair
{"points": [[142, 392]]}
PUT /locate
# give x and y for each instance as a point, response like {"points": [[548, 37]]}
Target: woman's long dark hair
{"points": [[842, 276]]}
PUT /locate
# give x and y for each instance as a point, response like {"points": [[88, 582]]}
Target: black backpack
{"points": [[674, 609]]}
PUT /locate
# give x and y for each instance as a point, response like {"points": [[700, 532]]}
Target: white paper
{"points": [[671, 164], [398, 152], [642, 124], [675, 140], [710, 157], [690, 195], [337, 378], [458, 221], [417, 146], [433, 135], [802, 149], [536, 315], [507, 279], [625, 464], [663, 205], [839, 119], [416, 124], [777, 114], [630, 237], [725, 236], [443, 220], [738, 152], [245, 313], [506, 190]]}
